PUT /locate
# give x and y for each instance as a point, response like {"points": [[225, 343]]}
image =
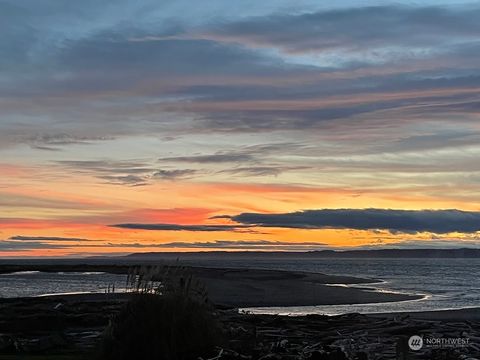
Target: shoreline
{"points": [[245, 288], [460, 314]]}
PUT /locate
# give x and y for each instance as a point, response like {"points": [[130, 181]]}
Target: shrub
{"points": [[170, 321]]}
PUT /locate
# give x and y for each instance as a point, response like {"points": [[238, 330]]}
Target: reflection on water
{"points": [[35, 283], [445, 283]]}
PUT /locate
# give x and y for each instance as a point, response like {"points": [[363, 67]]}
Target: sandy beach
{"points": [[252, 288]]}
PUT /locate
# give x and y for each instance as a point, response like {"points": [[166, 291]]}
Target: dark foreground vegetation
{"points": [[167, 315], [156, 327], [107, 327]]}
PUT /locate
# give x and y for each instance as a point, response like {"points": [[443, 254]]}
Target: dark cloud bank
{"points": [[395, 221], [406, 221]]}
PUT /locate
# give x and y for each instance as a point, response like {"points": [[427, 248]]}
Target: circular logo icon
{"points": [[415, 342]]}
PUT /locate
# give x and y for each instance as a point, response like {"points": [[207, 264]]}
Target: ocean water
{"points": [[36, 283], [443, 283]]}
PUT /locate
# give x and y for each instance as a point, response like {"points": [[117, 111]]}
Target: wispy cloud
{"points": [[425, 244], [32, 245], [132, 173], [247, 245], [177, 227], [212, 158], [14, 245], [46, 238], [353, 29], [174, 174], [56, 141], [262, 170]]}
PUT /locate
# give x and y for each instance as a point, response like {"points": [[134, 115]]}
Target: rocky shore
{"points": [[65, 327], [69, 327]]}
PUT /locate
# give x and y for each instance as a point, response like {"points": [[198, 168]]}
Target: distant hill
{"points": [[377, 253], [402, 253]]}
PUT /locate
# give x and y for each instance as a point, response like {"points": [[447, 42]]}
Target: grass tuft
{"points": [[169, 317]]}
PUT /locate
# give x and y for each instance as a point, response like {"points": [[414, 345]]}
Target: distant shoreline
{"points": [[424, 253], [377, 253]]}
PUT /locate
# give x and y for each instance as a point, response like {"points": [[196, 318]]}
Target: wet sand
{"points": [[242, 288], [259, 288], [466, 314]]}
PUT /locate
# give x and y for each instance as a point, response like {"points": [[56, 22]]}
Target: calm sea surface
{"points": [[35, 283], [445, 283]]}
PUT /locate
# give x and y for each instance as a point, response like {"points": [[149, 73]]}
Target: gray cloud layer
{"points": [[407, 221], [108, 58], [387, 89], [361, 28]]}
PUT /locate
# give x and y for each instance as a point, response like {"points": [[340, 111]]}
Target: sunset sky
{"points": [[131, 126]]}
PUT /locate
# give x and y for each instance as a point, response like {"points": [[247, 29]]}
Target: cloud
{"points": [[38, 200], [358, 29], [97, 82], [262, 170], [212, 158], [131, 173], [174, 174], [131, 180], [55, 141], [247, 245], [106, 166], [31, 245], [177, 227], [253, 154], [424, 244], [15, 245], [395, 221], [46, 238], [377, 97]]}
